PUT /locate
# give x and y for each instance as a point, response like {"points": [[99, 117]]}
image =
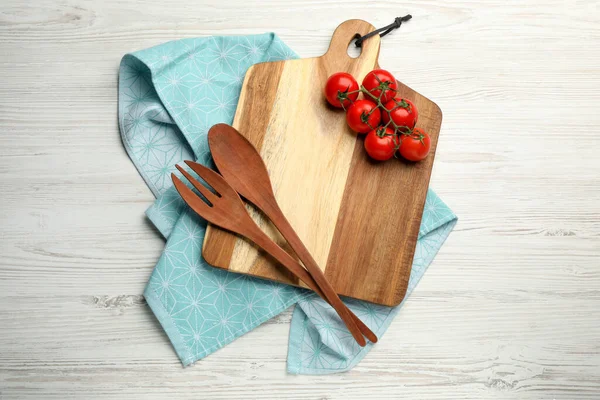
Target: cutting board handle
{"points": [[343, 36]]}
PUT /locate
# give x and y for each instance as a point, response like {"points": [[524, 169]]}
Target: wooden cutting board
{"points": [[359, 218]]}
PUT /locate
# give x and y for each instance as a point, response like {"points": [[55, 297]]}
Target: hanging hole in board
{"points": [[353, 51]]}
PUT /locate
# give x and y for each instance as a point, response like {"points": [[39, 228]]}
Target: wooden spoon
{"points": [[244, 169]]}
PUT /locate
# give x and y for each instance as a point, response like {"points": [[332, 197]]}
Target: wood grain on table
{"points": [[510, 308]]}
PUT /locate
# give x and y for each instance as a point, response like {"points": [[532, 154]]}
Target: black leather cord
{"points": [[385, 30]]}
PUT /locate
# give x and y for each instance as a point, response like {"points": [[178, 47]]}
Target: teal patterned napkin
{"points": [[169, 96]]}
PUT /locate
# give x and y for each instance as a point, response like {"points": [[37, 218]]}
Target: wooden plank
{"points": [[108, 346]]}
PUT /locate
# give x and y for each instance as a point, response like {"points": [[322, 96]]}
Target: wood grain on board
{"points": [[359, 218]]}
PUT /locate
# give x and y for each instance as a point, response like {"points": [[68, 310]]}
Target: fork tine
{"points": [[211, 177], [191, 199], [210, 196]]}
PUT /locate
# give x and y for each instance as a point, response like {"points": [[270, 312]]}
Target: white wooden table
{"points": [[509, 309]]}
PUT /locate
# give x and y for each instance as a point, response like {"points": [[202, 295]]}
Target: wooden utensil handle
{"points": [[287, 231], [351, 320]]}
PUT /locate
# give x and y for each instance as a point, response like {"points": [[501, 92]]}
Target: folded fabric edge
{"points": [[157, 218], [165, 320], [124, 139], [299, 318]]}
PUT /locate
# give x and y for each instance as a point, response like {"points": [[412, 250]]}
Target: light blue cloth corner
{"points": [[169, 96], [310, 349]]}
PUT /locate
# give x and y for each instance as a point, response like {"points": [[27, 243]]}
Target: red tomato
{"points": [[381, 144], [416, 146], [363, 116], [402, 111], [380, 82], [337, 87]]}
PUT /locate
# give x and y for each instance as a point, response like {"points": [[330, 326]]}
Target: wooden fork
{"points": [[226, 209]]}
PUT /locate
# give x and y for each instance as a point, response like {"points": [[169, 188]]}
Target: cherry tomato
{"points": [[363, 116], [381, 144], [380, 82], [416, 146], [403, 112], [337, 87]]}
